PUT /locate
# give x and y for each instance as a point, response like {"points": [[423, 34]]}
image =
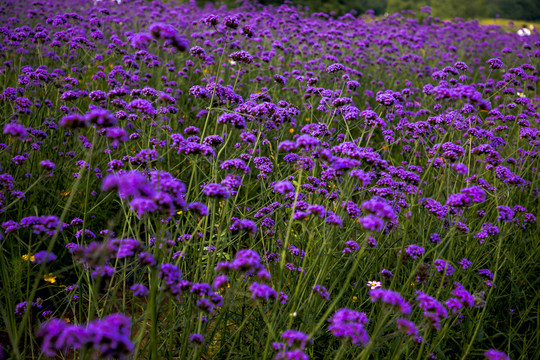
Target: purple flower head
{"points": [[414, 251], [142, 105], [163, 31], [465, 263], [467, 196], [434, 311], [141, 40], [294, 338], [20, 308], [493, 354], [334, 68], [220, 281], [48, 166], [371, 223], [283, 187], [349, 324], [307, 143], [231, 22], [505, 213], [461, 298], [10, 226], [495, 63], [172, 281], [242, 57], [238, 164], [198, 208], [44, 257], [487, 273], [101, 118], [200, 289], [380, 208], [246, 260], [386, 275], [205, 305], [333, 219], [245, 225], [196, 338], [321, 290], [287, 146], [386, 99], [442, 265], [216, 191], [58, 336], [407, 326], [16, 130], [108, 337], [104, 271], [139, 290], [146, 259], [391, 298], [126, 247], [295, 354], [198, 52], [211, 20], [236, 120], [248, 31], [262, 291]]}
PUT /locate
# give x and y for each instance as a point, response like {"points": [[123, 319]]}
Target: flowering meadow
{"points": [[265, 183]]}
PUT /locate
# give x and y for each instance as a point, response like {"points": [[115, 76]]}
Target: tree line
{"points": [[526, 10]]}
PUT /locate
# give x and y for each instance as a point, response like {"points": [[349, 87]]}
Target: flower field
{"points": [[265, 183]]}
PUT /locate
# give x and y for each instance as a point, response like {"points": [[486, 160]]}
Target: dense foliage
{"points": [[528, 10], [179, 182]]}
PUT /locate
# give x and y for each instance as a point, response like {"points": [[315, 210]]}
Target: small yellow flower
{"points": [[28, 257], [64, 193], [354, 298], [67, 320], [49, 278], [412, 284], [179, 212], [291, 130], [308, 119]]}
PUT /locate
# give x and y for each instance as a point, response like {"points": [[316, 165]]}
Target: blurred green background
{"points": [[526, 10]]}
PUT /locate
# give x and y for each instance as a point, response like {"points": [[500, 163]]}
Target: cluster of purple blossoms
{"points": [[493, 354], [407, 326], [107, 337], [162, 193], [243, 225], [321, 290], [461, 298], [467, 197], [216, 191], [349, 324], [294, 342], [391, 298], [434, 311]]}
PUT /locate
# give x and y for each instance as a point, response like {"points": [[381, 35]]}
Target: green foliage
{"points": [[516, 9], [446, 9]]}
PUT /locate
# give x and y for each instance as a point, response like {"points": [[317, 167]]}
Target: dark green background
{"points": [[527, 10]]}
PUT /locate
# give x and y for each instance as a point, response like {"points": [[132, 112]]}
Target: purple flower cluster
{"points": [[391, 298], [434, 311], [349, 324], [107, 337]]}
